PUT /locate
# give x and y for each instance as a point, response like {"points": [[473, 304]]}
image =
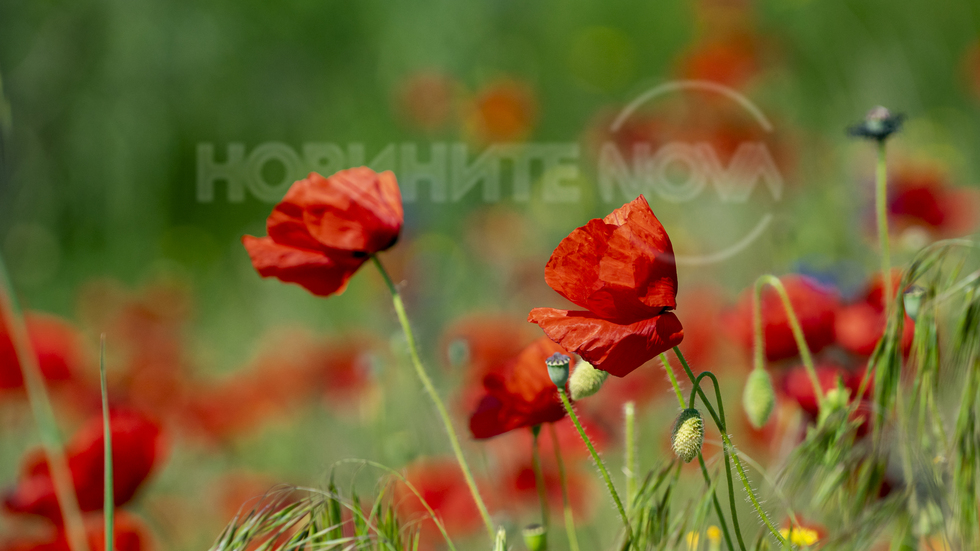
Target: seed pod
{"points": [[585, 381], [687, 435], [558, 368], [758, 398], [535, 537]]}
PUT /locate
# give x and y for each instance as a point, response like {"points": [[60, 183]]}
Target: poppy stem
{"points": [[598, 460], [396, 299], [40, 402], [728, 449], [569, 519], [109, 506], [539, 476], [881, 206], [794, 325], [629, 413], [704, 469], [673, 380]]}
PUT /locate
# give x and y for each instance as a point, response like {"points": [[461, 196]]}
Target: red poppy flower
{"points": [[519, 394], [136, 448], [441, 484], [815, 306], [796, 385], [130, 535], [326, 228], [519, 488], [861, 324], [921, 198], [621, 270], [731, 60], [504, 111], [55, 342]]}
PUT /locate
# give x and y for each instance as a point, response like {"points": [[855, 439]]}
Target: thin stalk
{"points": [[673, 379], [629, 412], [881, 207], [597, 459], [539, 476], [37, 396], [794, 325], [109, 506], [704, 470], [396, 299], [720, 422], [569, 518]]}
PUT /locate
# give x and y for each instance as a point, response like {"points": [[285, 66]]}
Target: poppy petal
{"points": [[607, 345], [318, 273], [621, 267], [353, 210]]}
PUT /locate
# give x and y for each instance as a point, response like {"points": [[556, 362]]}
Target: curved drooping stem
{"points": [[569, 519], [794, 325], [40, 403], [718, 418], [704, 470], [431, 390], [598, 460]]}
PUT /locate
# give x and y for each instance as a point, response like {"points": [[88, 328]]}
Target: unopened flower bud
{"points": [[586, 380], [535, 537], [558, 368], [913, 301], [836, 399], [714, 538], [758, 398], [687, 436]]}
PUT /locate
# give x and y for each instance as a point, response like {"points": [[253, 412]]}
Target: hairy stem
{"points": [[673, 379], [569, 519], [40, 402], [396, 299], [598, 460], [720, 422], [539, 475]]}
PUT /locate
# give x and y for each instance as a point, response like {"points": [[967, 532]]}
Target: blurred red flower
{"points": [[425, 99], [730, 60], [136, 448], [439, 482], [796, 385], [56, 343], [519, 393], [860, 325], [815, 306], [326, 228], [130, 535], [920, 197], [519, 489], [621, 270], [504, 111]]}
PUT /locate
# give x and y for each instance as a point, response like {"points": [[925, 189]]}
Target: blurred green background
{"points": [[106, 102]]}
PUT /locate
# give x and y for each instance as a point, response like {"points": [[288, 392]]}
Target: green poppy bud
{"points": [[913, 301], [687, 435], [758, 398], [586, 380], [535, 537], [558, 368]]}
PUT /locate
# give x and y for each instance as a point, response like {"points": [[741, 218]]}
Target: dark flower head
{"points": [[877, 125]]}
